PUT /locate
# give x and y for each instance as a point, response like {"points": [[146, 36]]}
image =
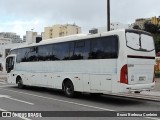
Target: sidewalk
{"points": [[153, 95], [157, 87], [3, 76], [156, 91]]}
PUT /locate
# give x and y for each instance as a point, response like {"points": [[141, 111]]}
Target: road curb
{"points": [[138, 96]]}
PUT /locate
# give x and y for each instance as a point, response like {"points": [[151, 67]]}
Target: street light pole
{"points": [[108, 15]]}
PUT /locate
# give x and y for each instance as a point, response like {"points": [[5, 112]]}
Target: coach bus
{"points": [[120, 61]]}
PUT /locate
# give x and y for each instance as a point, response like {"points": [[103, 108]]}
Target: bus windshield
{"points": [[139, 41]]}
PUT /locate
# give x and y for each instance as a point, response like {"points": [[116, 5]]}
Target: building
{"points": [[118, 25], [4, 51], [32, 37], [8, 40], [43, 35], [11, 36], [5, 41], [6, 44], [140, 22], [155, 20], [24, 38], [61, 30], [113, 26]]}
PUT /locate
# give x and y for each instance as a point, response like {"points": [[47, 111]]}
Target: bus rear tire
{"points": [[20, 83], [69, 89]]}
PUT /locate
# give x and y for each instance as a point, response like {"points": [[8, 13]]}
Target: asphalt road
{"points": [[42, 99]]}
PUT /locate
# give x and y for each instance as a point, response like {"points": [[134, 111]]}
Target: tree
{"points": [[158, 54], [152, 28], [157, 42], [136, 27], [155, 30]]}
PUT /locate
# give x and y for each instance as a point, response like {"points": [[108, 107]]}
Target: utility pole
{"points": [[108, 15]]}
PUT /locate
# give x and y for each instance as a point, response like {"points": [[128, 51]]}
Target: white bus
{"points": [[119, 61]]}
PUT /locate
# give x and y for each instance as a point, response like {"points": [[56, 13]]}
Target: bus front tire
{"points": [[20, 83], [69, 89]]}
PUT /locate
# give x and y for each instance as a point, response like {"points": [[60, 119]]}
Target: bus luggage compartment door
{"points": [[101, 82], [140, 71]]}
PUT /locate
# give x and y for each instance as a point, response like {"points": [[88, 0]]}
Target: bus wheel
{"points": [[20, 83], [69, 89]]}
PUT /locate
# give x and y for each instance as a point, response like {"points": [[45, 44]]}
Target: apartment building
{"points": [[61, 30], [5, 41], [155, 20], [11, 36], [140, 21]]}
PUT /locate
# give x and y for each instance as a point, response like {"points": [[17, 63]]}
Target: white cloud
{"points": [[22, 15], [20, 27]]}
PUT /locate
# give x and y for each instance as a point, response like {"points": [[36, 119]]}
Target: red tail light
{"points": [[124, 74]]}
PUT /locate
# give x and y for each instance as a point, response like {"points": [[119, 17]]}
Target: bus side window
{"points": [[45, 53], [104, 48], [81, 50], [32, 54], [61, 51]]}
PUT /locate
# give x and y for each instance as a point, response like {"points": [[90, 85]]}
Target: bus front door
{"points": [[10, 64]]}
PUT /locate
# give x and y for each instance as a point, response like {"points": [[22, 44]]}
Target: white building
{"points": [[114, 26], [31, 37], [118, 25], [12, 36], [24, 38], [43, 35], [6, 44], [5, 41], [4, 51]]}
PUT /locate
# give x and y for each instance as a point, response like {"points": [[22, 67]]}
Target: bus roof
{"points": [[77, 37]]}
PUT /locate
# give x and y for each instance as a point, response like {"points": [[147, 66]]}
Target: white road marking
{"points": [[2, 109], [21, 101], [84, 105], [61, 100], [9, 97], [6, 86], [5, 96]]}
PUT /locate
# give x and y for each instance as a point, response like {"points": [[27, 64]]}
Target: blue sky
{"points": [[23, 15]]}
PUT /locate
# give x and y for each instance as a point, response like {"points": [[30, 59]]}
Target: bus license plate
{"points": [[142, 78]]}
